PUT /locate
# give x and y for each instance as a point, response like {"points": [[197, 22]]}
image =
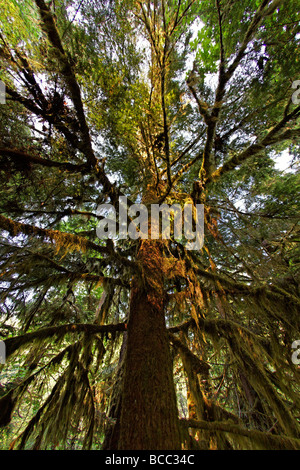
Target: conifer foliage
{"points": [[139, 343]]}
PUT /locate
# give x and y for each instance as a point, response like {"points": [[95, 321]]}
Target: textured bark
{"points": [[149, 416]]}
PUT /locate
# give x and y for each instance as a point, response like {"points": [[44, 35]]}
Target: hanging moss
{"points": [[7, 405], [12, 344]]}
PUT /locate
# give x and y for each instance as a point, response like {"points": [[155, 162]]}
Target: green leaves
{"points": [[169, 101], [20, 24], [207, 51]]}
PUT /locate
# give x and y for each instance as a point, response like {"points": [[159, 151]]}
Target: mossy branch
{"points": [[64, 241], [262, 440], [22, 156], [15, 343], [68, 73], [198, 366]]}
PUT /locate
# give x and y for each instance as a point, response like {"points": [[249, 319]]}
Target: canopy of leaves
{"points": [[159, 101]]}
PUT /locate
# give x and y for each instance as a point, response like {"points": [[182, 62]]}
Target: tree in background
{"points": [[141, 343]]}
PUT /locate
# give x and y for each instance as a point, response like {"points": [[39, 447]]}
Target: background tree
{"points": [[144, 344]]}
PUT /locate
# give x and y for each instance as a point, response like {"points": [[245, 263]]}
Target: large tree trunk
{"points": [[149, 416]]}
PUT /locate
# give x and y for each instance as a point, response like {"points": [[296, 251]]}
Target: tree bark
{"points": [[149, 415]]}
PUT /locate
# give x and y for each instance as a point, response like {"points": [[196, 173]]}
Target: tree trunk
{"points": [[149, 415]]}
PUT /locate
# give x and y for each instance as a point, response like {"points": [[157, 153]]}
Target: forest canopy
{"points": [[139, 343]]}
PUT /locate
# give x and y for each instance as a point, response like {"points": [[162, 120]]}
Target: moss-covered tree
{"points": [[162, 102]]}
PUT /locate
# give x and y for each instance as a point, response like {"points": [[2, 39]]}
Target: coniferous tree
{"points": [[143, 343]]}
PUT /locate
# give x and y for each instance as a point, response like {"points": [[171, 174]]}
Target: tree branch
{"points": [[273, 137], [19, 155], [68, 73], [12, 344], [262, 439]]}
